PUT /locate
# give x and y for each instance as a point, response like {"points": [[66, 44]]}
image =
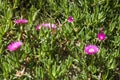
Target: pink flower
{"points": [[21, 21], [70, 19], [46, 25], [91, 49], [38, 27], [101, 36], [14, 45]]}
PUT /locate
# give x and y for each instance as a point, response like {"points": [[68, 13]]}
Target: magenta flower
{"points": [[91, 49], [14, 45], [21, 21], [46, 25], [70, 19], [101, 36]]}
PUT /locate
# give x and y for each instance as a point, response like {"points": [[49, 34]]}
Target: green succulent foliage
{"points": [[59, 54]]}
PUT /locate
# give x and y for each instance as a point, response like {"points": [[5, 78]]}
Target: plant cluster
{"points": [[59, 40]]}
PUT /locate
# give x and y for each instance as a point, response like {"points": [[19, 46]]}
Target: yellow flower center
{"points": [[91, 50]]}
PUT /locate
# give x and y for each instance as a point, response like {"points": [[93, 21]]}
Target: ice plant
{"points": [[70, 19], [14, 45], [46, 25], [38, 27], [91, 49], [101, 36], [21, 21]]}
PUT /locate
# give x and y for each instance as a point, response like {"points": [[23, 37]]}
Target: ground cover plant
{"points": [[59, 40]]}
